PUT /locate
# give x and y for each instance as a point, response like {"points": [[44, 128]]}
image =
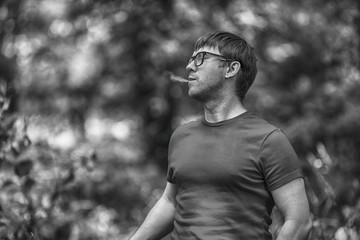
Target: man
{"points": [[228, 169]]}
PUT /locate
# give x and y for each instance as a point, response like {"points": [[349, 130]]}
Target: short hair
{"points": [[233, 47]]}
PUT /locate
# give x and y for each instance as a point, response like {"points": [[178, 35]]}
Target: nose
{"points": [[191, 66]]}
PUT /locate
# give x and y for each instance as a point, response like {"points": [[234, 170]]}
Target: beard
{"points": [[205, 92]]}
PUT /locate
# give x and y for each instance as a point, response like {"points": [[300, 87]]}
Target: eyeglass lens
{"points": [[198, 59]]}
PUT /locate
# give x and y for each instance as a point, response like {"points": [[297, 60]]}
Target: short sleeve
{"points": [[278, 159], [170, 170], [169, 176]]}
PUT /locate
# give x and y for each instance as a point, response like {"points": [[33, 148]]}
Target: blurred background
{"points": [[87, 106]]}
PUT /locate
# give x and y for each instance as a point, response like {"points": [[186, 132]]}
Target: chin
{"points": [[193, 93], [198, 95]]}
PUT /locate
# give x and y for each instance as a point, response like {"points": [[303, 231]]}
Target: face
{"points": [[206, 80]]}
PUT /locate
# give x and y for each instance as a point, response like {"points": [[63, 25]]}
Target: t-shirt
{"points": [[224, 173]]}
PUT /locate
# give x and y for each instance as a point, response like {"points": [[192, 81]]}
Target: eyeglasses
{"points": [[199, 58]]}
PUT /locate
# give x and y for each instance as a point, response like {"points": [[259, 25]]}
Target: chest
{"points": [[215, 158]]}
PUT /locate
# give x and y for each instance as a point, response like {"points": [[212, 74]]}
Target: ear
{"points": [[233, 68]]}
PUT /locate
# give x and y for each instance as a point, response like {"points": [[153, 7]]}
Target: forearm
{"points": [[295, 230], [158, 223]]}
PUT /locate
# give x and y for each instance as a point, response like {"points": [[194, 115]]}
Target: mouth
{"points": [[190, 78]]}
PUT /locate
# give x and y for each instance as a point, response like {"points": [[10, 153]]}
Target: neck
{"points": [[223, 109]]}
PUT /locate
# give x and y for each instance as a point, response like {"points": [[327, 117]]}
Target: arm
{"points": [[159, 221], [293, 205]]}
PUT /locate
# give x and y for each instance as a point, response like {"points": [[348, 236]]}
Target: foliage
{"points": [[37, 188], [89, 77], [50, 194]]}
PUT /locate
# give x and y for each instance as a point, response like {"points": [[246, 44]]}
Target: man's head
{"points": [[233, 48]]}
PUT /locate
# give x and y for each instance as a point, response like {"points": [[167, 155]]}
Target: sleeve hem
{"points": [[288, 178], [170, 180]]}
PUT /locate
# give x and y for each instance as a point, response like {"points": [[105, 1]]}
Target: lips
{"points": [[191, 78]]}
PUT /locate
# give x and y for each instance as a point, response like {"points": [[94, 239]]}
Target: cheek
{"points": [[214, 77]]}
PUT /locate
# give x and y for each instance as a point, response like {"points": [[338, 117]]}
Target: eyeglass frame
{"points": [[220, 57]]}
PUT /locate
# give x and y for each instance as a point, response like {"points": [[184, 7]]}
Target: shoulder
{"points": [[186, 128], [257, 126], [258, 121]]}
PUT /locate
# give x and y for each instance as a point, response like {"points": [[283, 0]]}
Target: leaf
{"points": [[2, 224], [5, 103], [9, 122], [28, 184], [6, 127], [5, 165], [23, 168], [55, 195], [15, 148], [69, 177], [26, 140], [7, 183]]}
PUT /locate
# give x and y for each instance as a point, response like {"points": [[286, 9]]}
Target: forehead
{"points": [[206, 49]]}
